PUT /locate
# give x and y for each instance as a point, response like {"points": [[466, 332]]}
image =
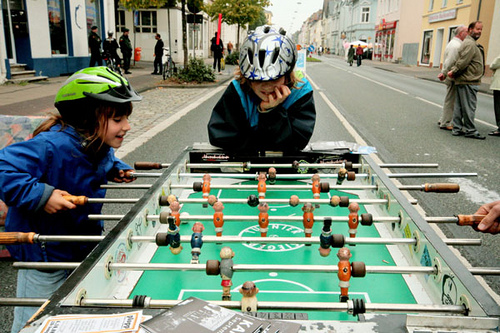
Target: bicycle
{"points": [[111, 63], [168, 64]]}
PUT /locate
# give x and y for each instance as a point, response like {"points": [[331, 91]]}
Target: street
{"points": [[397, 114]]}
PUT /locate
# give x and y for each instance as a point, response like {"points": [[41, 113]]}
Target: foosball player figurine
{"points": [[249, 299], [218, 218], [325, 239], [308, 219], [263, 218], [196, 242], [344, 273], [271, 173], [226, 272], [341, 176], [173, 237], [261, 186], [315, 186], [294, 200], [353, 219], [206, 185], [212, 199], [175, 207]]}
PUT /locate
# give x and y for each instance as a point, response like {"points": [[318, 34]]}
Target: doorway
{"points": [[438, 48], [15, 21]]}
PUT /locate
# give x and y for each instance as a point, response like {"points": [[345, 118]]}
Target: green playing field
{"points": [[275, 286]]}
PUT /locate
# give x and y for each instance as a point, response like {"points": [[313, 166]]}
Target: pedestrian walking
{"points": [[350, 55], [267, 106], [450, 56], [71, 153], [467, 72], [359, 54], [495, 86], [229, 47], [158, 64], [126, 48], [217, 47], [95, 47]]}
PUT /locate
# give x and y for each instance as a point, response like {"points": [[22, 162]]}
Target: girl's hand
{"points": [[276, 98], [122, 177], [57, 203]]}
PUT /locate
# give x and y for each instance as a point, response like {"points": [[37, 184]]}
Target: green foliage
{"points": [[136, 4], [232, 59], [196, 71], [240, 12], [311, 59], [260, 21]]}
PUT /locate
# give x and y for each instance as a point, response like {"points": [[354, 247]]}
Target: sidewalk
{"points": [[37, 98], [424, 73]]}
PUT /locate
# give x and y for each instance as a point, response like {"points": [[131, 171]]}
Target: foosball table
{"points": [[325, 239]]}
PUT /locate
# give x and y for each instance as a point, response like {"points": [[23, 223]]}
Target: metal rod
{"points": [[127, 186], [16, 301]]}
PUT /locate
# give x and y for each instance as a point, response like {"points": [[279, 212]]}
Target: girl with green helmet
{"points": [[268, 106], [70, 153]]}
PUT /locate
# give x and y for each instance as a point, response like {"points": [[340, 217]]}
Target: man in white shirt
{"points": [[450, 56]]}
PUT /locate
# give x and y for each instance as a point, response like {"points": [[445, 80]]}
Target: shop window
{"points": [[365, 14], [57, 26], [120, 20], [92, 15], [147, 22]]}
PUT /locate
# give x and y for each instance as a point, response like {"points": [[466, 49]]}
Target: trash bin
{"points": [[137, 54]]}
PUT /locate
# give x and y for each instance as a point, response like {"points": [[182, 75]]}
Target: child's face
{"points": [[117, 128], [265, 88]]}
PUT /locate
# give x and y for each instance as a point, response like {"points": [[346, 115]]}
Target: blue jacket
{"points": [[236, 125], [31, 170]]}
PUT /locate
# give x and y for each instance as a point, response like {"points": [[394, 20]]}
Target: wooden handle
{"points": [[129, 174], [13, 238], [77, 200], [147, 165], [442, 188], [469, 219]]}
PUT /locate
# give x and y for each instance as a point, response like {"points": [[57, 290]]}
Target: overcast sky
{"points": [[290, 14]]}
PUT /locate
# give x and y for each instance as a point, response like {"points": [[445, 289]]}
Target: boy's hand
{"points": [[57, 203], [276, 98], [122, 177], [491, 222]]}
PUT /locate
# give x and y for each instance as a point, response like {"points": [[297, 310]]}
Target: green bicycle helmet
{"points": [[94, 85]]}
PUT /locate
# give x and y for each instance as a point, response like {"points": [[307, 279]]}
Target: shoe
{"points": [[447, 128], [475, 136], [459, 133], [494, 133], [127, 72], [154, 73]]}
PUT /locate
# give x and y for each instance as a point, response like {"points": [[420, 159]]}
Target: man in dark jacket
{"points": [[95, 47], [218, 50], [158, 64], [110, 45], [126, 48]]}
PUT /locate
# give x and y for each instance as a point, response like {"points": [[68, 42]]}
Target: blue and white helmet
{"points": [[267, 54]]}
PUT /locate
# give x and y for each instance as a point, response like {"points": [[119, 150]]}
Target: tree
{"points": [[136, 4], [240, 12], [262, 20]]}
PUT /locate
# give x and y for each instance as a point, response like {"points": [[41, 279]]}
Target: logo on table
{"points": [[275, 230]]}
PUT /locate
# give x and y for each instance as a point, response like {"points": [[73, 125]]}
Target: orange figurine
{"points": [[308, 218], [262, 185], [263, 218], [344, 272], [175, 207], [315, 186], [353, 219], [206, 185], [218, 218]]}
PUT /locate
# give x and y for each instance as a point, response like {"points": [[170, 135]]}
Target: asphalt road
{"points": [[396, 114]]}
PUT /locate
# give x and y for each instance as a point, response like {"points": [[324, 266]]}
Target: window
{"points": [[92, 14], [426, 47], [431, 5], [444, 4], [120, 20], [57, 26], [365, 14], [460, 2], [147, 22]]}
